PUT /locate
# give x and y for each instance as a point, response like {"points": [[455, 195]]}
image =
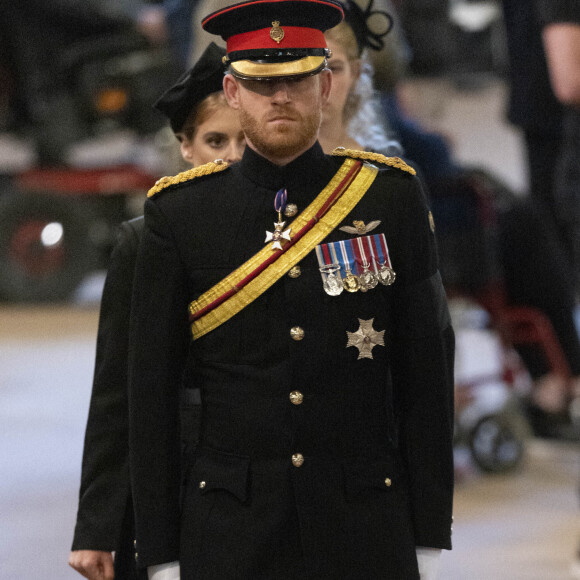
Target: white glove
{"points": [[169, 571], [428, 560]]}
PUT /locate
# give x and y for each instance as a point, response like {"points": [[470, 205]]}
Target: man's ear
{"points": [[325, 84], [232, 91]]}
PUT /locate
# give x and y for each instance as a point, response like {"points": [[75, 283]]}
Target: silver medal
{"points": [[332, 281], [386, 275], [368, 280]]}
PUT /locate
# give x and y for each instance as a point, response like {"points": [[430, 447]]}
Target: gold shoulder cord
{"points": [[369, 156], [200, 171]]}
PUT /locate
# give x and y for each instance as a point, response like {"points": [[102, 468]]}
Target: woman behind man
{"points": [[207, 130], [351, 118]]}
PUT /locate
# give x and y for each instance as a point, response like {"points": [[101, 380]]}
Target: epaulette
{"points": [[377, 157], [201, 170]]}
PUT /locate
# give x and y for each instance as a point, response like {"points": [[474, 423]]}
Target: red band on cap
{"points": [[294, 37]]}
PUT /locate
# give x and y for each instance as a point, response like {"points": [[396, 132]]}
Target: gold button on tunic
{"points": [[296, 397], [297, 333]]}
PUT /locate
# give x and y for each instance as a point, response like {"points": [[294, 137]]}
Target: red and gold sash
{"points": [[232, 294]]}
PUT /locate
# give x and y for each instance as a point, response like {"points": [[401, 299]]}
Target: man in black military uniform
{"points": [[324, 355]]}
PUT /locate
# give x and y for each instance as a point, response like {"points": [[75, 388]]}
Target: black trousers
{"points": [[125, 563]]}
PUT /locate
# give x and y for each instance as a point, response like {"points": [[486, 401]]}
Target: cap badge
{"points": [[276, 33]]}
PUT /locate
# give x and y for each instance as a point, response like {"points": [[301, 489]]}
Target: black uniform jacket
{"points": [[105, 512], [375, 435]]}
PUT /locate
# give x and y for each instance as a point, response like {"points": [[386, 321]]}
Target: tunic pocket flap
{"points": [[361, 476], [216, 470]]}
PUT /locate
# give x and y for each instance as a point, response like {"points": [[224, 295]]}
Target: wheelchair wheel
{"points": [[497, 442], [45, 246]]}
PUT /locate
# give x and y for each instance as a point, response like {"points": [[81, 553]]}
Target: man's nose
{"points": [[280, 92]]}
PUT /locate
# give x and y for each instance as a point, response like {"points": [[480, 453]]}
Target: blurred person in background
{"points": [[538, 238], [207, 129], [47, 47], [34, 35], [162, 22], [178, 14], [201, 38], [149, 17], [560, 20], [532, 105]]}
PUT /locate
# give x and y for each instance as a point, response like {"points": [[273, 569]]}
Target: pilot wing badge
{"points": [[360, 228]]}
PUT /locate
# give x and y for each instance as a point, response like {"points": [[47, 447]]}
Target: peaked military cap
{"points": [[275, 38], [200, 81]]}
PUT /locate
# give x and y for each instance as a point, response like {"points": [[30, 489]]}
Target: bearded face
{"points": [[274, 136], [280, 118]]}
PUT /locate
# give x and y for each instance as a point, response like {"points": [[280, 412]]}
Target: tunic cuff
{"points": [[428, 560], [168, 571]]}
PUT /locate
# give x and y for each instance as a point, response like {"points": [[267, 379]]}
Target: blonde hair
{"points": [[343, 35], [202, 112]]}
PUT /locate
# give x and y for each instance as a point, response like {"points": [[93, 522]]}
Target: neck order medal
{"points": [[279, 233]]}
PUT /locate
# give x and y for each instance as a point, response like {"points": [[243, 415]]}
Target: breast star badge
{"points": [[365, 338]]}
